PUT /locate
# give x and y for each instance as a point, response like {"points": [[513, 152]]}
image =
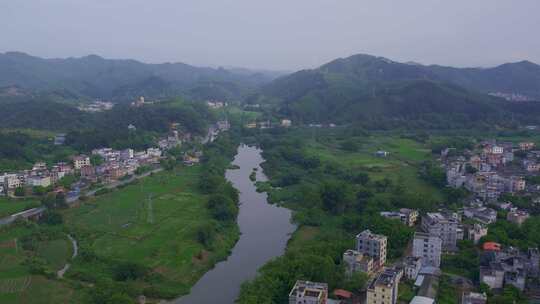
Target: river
{"points": [[265, 230]]}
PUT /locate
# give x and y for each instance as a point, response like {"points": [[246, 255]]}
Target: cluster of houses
{"points": [[39, 176], [492, 170], [509, 266], [267, 124], [438, 233], [216, 104], [96, 106]]}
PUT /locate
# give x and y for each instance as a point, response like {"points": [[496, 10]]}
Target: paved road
{"points": [[72, 199]]}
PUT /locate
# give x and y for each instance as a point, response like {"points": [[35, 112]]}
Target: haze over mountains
{"points": [[95, 77], [358, 88], [363, 87]]}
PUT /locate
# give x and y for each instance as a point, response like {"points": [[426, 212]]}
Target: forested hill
{"points": [[96, 77], [370, 89]]}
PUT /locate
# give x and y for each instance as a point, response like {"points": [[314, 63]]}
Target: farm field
{"points": [[405, 155], [11, 206], [19, 283], [152, 223]]}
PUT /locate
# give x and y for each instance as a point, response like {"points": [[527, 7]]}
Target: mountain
{"points": [[368, 88], [96, 77]]}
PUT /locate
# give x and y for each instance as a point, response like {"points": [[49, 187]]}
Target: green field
{"points": [[18, 283], [400, 165], [151, 223], [11, 206]]}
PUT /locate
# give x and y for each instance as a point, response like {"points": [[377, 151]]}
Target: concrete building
{"points": [[428, 247], [384, 288], [476, 232], [422, 300], [81, 161], [412, 267], [484, 215], [286, 123], [305, 292], [12, 181], [444, 226], [517, 216], [406, 216], [373, 245], [39, 181], [473, 298], [356, 261], [492, 275]]}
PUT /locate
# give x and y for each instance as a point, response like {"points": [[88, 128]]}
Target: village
{"points": [[437, 234], [490, 171], [103, 168]]}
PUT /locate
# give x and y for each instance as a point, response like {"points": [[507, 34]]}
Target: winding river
{"points": [[265, 230]]}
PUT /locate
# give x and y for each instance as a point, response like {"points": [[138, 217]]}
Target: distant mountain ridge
{"points": [[361, 87], [96, 77]]}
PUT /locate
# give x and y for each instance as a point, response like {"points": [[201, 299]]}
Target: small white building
{"points": [[306, 292], [286, 123], [39, 181]]}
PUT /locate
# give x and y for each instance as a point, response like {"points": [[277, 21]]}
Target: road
{"points": [[72, 199], [62, 271]]}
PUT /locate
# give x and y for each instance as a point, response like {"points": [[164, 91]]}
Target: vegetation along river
{"points": [[265, 230]]}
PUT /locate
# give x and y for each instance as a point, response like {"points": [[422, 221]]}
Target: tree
{"points": [[19, 191], [336, 196], [52, 218], [356, 282], [350, 145], [96, 160], [39, 191], [206, 233], [222, 208]]}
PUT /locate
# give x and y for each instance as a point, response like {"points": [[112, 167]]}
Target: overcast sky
{"points": [[275, 34]]}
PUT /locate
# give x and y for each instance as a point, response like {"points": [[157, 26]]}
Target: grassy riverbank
{"points": [[155, 237], [151, 225]]}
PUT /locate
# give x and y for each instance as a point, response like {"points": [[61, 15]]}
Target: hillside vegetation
{"points": [[377, 92]]}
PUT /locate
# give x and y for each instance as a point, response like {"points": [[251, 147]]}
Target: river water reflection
{"points": [[265, 230]]}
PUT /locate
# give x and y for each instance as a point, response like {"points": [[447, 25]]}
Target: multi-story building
{"points": [[412, 267], [384, 288], [373, 245], [476, 232], [356, 261], [484, 215], [12, 181], [39, 181], [427, 247], [81, 161], [406, 216], [526, 145], [473, 298], [517, 216], [444, 226], [306, 292], [411, 216]]}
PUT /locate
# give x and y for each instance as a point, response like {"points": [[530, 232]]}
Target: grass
{"points": [[123, 226], [10, 206], [18, 284], [56, 252], [401, 165], [447, 293], [406, 291]]}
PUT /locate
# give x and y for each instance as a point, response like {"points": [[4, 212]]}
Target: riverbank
{"points": [[265, 230], [143, 238]]}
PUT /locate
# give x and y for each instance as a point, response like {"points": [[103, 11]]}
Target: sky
{"points": [[275, 34]]}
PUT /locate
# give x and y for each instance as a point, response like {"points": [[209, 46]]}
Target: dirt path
{"points": [[62, 271]]}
